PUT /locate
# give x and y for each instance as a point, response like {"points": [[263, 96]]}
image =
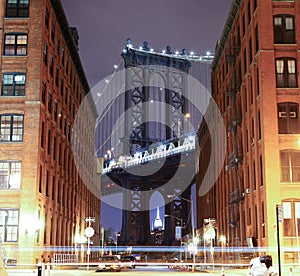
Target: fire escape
{"points": [[235, 158]]}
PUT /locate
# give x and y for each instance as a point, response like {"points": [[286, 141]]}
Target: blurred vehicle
{"points": [[128, 261], [262, 266], [109, 263]]}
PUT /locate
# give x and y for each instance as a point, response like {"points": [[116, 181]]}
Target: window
{"points": [[250, 50], [45, 53], [286, 74], [10, 175], [288, 121], [13, 84], [284, 31], [17, 8], [11, 128], [256, 39], [52, 31], [9, 224], [47, 17], [15, 45], [44, 92], [51, 65], [291, 216], [290, 166]]}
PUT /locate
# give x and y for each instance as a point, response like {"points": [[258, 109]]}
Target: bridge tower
{"points": [[140, 132]]}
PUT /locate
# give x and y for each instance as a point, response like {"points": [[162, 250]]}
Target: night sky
{"points": [[104, 26]]}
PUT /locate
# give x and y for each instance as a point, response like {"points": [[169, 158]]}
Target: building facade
{"points": [[43, 198], [255, 83]]}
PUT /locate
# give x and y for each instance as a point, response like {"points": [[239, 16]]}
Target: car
{"points": [[109, 263], [128, 261]]}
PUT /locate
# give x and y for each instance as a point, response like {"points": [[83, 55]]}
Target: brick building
{"points": [[255, 83], [43, 198]]}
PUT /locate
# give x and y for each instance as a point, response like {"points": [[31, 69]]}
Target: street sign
{"points": [[89, 232], [178, 232], [280, 213]]}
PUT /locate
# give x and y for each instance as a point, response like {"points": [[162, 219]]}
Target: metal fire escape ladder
{"points": [[235, 158]]}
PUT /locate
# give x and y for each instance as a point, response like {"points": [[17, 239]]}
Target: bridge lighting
{"points": [[107, 81], [151, 50], [177, 53], [141, 48], [187, 115], [115, 66], [124, 51], [192, 53], [163, 51], [208, 53]]}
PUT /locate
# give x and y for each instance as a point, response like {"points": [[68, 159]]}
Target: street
{"points": [[139, 271]]}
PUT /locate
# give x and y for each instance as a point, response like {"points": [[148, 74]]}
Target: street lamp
{"points": [[181, 224], [193, 228], [89, 232], [223, 242]]}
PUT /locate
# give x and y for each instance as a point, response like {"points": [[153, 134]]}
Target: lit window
{"points": [[11, 128], [290, 166], [284, 32], [15, 45], [13, 84], [291, 218], [286, 73], [9, 224], [17, 8], [10, 175]]}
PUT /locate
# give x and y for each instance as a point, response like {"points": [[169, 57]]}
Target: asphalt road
{"points": [[139, 271]]}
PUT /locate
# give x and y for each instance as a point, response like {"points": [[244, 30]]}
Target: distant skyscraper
{"points": [[157, 224]]}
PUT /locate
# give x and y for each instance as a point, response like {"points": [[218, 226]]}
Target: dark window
{"points": [[41, 180], [284, 30], [263, 220], [254, 176], [56, 76], [49, 142], [52, 31], [256, 39], [11, 128], [259, 125], [290, 166], [49, 101], [261, 171], [67, 66], [249, 12], [243, 25], [15, 45], [257, 81], [43, 135], [288, 121], [254, 5], [245, 61], [57, 45], [250, 50], [55, 110], [51, 65], [47, 17], [286, 73], [10, 175], [45, 53], [10, 225], [13, 84], [44, 92], [17, 8], [62, 56]]}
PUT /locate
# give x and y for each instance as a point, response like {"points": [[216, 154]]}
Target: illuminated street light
{"points": [[181, 225], [192, 222]]}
